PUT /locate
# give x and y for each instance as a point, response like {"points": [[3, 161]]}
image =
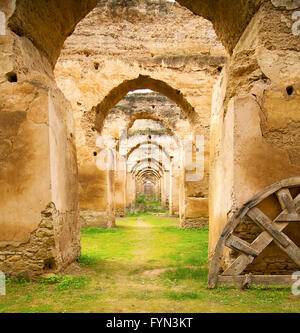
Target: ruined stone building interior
{"points": [[194, 102]]}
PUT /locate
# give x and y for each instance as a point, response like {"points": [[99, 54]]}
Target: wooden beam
{"points": [[282, 240], [240, 245], [286, 201], [264, 222], [259, 197], [259, 280], [288, 218], [260, 243], [215, 263]]}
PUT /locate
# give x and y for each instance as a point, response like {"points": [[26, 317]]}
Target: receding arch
{"points": [[148, 176], [177, 140], [144, 171], [143, 82], [143, 166], [147, 181], [148, 160], [149, 143], [148, 116]]}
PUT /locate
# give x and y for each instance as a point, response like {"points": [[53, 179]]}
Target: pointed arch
{"points": [[142, 82]]}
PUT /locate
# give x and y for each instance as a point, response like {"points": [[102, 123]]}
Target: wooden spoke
{"points": [[240, 245], [215, 263], [259, 244], [264, 222], [288, 218], [286, 201], [271, 231], [290, 182], [241, 262]]}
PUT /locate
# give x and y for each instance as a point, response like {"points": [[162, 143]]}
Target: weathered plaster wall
{"points": [[116, 43], [47, 23], [37, 160], [146, 106], [229, 17], [255, 120]]}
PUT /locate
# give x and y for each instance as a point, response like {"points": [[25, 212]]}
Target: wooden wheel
{"points": [[272, 230]]}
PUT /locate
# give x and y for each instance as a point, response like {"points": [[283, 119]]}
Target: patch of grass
{"points": [[181, 296], [135, 214], [95, 231], [198, 274], [192, 249], [141, 295], [42, 308], [16, 281], [66, 282], [269, 288], [50, 280], [87, 260], [119, 272], [72, 282], [147, 203], [100, 245]]}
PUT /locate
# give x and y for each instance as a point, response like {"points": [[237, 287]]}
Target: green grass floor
{"points": [[146, 264]]}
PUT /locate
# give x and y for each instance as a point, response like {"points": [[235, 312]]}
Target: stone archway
{"points": [[142, 82], [255, 97], [47, 27], [93, 123], [149, 143]]}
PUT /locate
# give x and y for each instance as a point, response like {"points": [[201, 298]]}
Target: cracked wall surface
{"points": [[38, 161], [45, 251], [255, 118], [230, 18]]}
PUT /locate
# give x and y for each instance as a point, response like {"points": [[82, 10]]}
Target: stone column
{"points": [[96, 189], [120, 187], [163, 193], [131, 191], [255, 120], [39, 223], [195, 182], [166, 178], [174, 190], [171, 211]]}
